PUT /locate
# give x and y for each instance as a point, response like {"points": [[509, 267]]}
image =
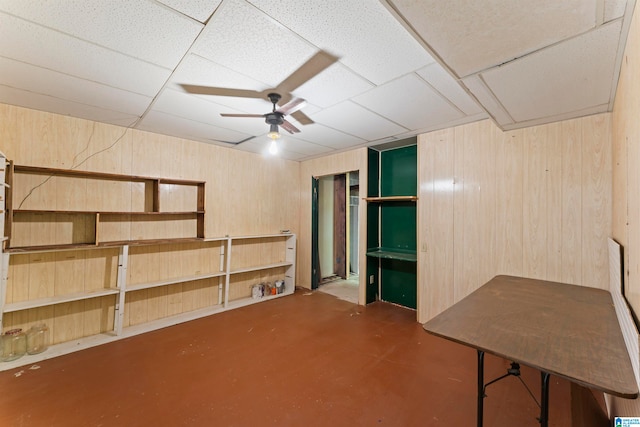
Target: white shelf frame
{"points": [[122, 288]]}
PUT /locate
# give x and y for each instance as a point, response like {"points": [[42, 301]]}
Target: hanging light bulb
{"points": [[273, 147]]}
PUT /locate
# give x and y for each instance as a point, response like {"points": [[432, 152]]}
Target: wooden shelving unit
{"points": [[215, 274], [149, 207]]}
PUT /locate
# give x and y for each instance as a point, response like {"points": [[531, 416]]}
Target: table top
{"points": [[564, 330]]}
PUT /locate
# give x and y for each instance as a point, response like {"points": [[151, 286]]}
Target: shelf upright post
{"points": [[290, 256], [123, 260], [221, 280], [228, 273], [4, 262]]}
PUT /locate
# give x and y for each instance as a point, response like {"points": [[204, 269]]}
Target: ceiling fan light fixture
{"points": [[273, 132]]}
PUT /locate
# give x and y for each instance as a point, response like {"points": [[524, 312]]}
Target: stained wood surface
{"points": [[566, 330]]}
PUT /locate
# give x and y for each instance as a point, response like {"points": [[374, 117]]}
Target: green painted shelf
{"points": [[388, 253]]}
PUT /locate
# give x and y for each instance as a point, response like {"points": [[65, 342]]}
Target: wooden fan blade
{"points": [[289, 127], [314, 66], [242, 115], [302, 118], [292, 106], [221, 91]]}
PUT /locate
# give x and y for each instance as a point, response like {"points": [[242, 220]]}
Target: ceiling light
{"points": [[273, 132], [273, 147]]}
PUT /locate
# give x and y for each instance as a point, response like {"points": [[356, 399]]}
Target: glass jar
{"points": [[37, 339], [14, 345]]}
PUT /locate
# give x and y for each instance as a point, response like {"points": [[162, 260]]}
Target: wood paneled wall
{"points": [[626, 182], [533, 202], [246, 194], [354, 160]]}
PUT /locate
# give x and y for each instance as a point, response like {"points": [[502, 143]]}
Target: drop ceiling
{"points": [[398, 68]]}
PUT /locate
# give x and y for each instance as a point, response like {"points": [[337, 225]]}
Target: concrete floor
{"points": [[346, 290], [304, 360]]}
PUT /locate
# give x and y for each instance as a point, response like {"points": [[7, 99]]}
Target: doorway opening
{"points": [[335, 248]]}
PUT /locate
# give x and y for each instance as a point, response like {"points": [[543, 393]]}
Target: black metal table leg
{"points": [[480, 387], [544, 400]]}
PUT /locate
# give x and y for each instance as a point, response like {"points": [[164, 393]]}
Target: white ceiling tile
{"points": [[296, 145], [199, 109], [410, 102], [37, 45], [28, 77], [358, 121], [332, 86], [167, 124], [565, 77], [362, 33], [442, 81], [199, 10], [36, 101], [614, 9], [323, 135], [196, 70], [142, 29], [242, 38], [257, 146], [471, 36]]}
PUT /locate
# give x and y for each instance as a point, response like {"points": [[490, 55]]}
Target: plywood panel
{"points": [[510, 161], [535, 204], [436, 216], [571, 141], [553, 173], [626, 182], [596, 202], [514, 205]]}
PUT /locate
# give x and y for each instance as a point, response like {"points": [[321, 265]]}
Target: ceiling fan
{"points": [[312, 67], [276, 117]]}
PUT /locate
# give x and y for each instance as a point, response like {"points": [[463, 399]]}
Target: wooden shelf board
{"points": [[166, 322], [176, 280], [43, 302], [40, 211], [80, 246], [260, 236], [243, 302], [260, 267], [387, 253], [391, 199], [101, 175]]}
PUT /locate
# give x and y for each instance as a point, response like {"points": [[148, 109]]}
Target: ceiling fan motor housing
{"points": [[274, 118]]}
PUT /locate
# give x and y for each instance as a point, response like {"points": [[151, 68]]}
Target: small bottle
{"points": [[14, 345], [37, 339]]}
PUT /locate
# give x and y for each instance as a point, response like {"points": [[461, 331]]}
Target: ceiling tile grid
{"points": [[142, 29], [556, 81], [371, 71]]}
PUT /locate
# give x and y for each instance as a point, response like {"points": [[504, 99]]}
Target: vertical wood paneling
{"points": [[535, 204], [509, 165], [436, 216], [518, 206], [460, 186], [245, 194], [571, 141], [554, 213], [596, 202], [626, 182]]}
